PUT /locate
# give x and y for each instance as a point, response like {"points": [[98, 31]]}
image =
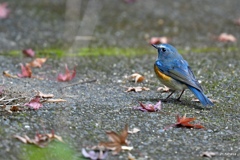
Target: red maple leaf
{"points": [[26, 72], [185, 122], [149, 107], [28, 52], [68, 76], [34, 103], [4, 11]]}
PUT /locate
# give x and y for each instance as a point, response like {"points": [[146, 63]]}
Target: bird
{"points": [[175, 73]]}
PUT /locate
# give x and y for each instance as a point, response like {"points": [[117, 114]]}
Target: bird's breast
{"points": [[168, 81]]}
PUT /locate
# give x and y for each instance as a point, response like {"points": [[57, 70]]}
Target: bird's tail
{"points": [[202, 98]]}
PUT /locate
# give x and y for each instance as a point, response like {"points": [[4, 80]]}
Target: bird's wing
{"points": [[180, 71]]}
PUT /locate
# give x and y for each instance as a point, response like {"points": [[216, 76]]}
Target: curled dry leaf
{"points": [[68, 76], [7, 74], [224, 37], [38, 62], [94, 154], [134, 130], [149, 107], [40, 140], [117, 141], [4, 11], [137, 77], [42, 95], [26, 72], [208, 154], [157, 40], [137, 89], [15, 108], [164, 89], [28, 52]]}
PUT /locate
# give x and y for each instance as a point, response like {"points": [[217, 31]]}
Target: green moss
{"points": [[113, 51], [55, 150]]}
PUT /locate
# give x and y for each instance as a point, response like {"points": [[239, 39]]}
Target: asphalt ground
{"points": [[93, 108]]}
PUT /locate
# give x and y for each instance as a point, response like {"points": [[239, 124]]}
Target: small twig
{"points": [[10, 100]]}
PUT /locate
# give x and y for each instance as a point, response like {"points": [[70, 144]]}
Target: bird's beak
{"points": [[155, 46]]}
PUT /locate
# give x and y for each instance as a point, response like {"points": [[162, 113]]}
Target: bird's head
{"points": [[166, 52]]}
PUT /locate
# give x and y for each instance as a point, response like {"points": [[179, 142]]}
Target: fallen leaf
{"points": [[34, 103], [157, 40], [7, 74], [117, 141], [42, 95], [94, 154], [137, 89], [224, 37], [197, 100], [208, 154], [135, 130], [164, 89], [184, 122], [4, 11], [40, 140], [15, 108], [26, 72], [28, 52], [137, 77], [148, 107], [38, 62], [68, 76]]}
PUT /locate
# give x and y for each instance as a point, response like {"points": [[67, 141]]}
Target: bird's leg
{"points": [[178, 99], [168, 96]]}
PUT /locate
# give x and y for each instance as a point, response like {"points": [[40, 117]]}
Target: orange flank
{"points": [[161, 75]]}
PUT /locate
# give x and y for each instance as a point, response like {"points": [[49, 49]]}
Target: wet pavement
{"points": [[93, 108]]}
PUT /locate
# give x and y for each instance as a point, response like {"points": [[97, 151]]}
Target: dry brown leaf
{"points": [[38, 62], [137, 77], [135, 130], [164, 89], [40, 94], [225, 37], [137, 89], [117, 141], [15, 108], [7, 74], [40, 140], [157, 40], [208, 154]]}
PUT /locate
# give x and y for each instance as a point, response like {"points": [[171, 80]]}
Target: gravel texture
{"points": [[93, 108]]}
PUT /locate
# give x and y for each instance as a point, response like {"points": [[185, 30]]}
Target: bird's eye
{"points": [[163, 50]]}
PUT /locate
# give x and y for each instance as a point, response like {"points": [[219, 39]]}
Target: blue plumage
{"points": [[174, 72]]}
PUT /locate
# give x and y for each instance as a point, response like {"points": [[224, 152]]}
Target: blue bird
{"points": [[174, 72]]}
